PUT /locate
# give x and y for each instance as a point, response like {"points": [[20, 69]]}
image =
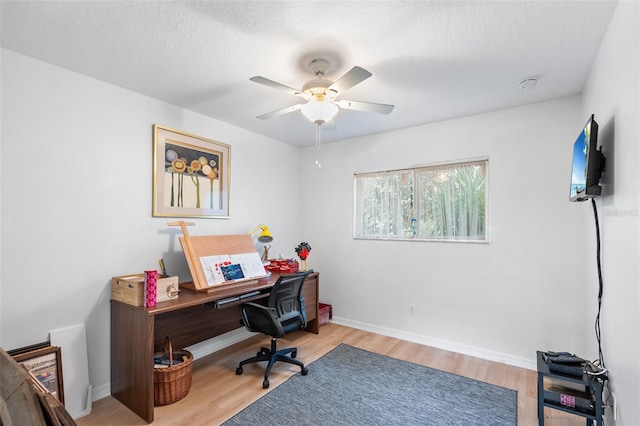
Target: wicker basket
{"points": [[172, 383]]}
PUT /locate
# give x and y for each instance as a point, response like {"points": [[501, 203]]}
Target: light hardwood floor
{"points": [[217, 393]]}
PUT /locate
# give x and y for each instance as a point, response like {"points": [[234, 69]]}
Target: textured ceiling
{"points": [[433, 60]]}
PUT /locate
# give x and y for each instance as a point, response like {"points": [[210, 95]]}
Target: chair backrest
{"points": [[285, 296]]}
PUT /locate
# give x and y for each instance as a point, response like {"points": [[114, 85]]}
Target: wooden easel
{"points": [[211, 245]]}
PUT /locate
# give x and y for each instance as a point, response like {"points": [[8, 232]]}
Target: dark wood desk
{"points": [[137, 333]]}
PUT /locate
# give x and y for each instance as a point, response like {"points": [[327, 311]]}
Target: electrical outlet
{"points": [[615, 406], [412, 309]]}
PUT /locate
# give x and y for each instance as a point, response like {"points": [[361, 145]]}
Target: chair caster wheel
{"points": [[265, 384], [294, 354], [305, 371], [260, 353], [238, 371]]}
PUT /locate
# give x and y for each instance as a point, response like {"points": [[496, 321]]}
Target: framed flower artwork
{"points": [[190, 175]]}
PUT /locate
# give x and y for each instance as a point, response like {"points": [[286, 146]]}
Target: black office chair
{"points": [[283, 314]]}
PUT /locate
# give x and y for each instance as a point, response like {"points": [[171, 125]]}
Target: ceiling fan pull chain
{"points": [[318, 163], [318, 136]]}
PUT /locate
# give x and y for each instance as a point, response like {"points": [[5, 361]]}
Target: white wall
{"points": [[76, 199], [613, 93], [524, 291]]}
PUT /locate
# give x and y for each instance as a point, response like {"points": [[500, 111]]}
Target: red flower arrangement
{"points": [[303, 250]]}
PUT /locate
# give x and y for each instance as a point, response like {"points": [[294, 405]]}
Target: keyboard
{"points": [[222, 302]]}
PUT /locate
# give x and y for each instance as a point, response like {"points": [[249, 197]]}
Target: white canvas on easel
{"points": [[249, 263], [75, 368]]}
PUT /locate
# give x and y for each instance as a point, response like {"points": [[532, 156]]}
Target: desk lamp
{"points": [[264, 237]]}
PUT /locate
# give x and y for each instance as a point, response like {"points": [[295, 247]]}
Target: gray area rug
{"points": [[351, 386]]}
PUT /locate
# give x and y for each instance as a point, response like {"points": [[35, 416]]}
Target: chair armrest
{"points": [[261, 319]]}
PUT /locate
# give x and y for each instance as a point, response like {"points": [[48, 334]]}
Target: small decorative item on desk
{"points": [[284, 266], [150, 288], [303, 250]]}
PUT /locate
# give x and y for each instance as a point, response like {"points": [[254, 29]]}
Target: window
{"points": [[439, 202]]}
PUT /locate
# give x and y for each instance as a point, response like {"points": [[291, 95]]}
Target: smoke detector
{"points": [[528, 83]]}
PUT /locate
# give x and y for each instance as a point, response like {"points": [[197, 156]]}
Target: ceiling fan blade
{"points": [[351, 78], [276, 85], [282, 111], [366, 106]]}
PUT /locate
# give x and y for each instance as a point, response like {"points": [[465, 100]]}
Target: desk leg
{"points": [[132, 358], [540, 400], [310, 292]]}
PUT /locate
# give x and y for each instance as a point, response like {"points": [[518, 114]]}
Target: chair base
{"points": [[272, 356]]}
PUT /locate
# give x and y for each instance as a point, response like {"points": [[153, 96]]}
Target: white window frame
{"points": [[408, 207]]}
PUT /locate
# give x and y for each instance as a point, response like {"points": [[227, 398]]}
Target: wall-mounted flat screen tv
{"points": [[588, 164]]}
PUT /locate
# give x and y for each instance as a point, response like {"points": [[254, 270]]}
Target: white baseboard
{"points": [[222, 341], [215, 344], [102, 391], [440, 344]]}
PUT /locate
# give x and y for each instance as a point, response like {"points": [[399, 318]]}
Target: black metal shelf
{"points": [[593, 386]]}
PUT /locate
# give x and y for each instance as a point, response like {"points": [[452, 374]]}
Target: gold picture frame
{"points": [[191, 175], [44, 365]]}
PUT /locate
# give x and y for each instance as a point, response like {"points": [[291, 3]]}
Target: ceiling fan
{"points": [[321, 93]]}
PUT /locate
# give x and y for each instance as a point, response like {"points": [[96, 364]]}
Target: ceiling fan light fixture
{"points": [[316, 86], [319, 112], [321, 93]]}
